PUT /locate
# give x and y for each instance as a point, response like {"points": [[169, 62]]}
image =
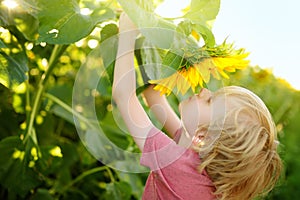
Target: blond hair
{"points": [[239, 150]]}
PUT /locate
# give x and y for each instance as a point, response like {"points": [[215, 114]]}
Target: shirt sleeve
{"points": [[159, 150]]}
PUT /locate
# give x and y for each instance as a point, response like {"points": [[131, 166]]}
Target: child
{"points": [[224, 146]]}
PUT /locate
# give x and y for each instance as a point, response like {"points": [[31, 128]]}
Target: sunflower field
{"points": [[61, 135]]}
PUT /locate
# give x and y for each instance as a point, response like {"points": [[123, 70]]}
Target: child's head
{"points": [[236, 138]]}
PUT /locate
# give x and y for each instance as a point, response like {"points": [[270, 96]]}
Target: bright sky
{"points": [[268, 29]]}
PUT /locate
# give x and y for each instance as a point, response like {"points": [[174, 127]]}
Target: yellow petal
{"points": [[193, 78], [230, 69], [195, 35], [204, 69], [165, 85], [199, 79], [223, 74], [182, 83], [179, 83], [215, 74]]}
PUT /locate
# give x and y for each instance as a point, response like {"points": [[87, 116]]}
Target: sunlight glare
{"points": [[93, 43], [171, 8], [85, 11], [11, 4]]}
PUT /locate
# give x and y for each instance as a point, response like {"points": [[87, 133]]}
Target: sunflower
{"points": [[230, 63], [183, 79], [215, 61], [217, 66]]}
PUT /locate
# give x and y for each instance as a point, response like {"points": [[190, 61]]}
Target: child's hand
{"points": [[125, 24]]}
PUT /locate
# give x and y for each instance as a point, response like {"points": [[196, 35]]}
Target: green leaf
{"points": [[108, 31], [49, 164], [113, 132], [115, 135], [61, 21], [20, 19], [42, 194], [10, 120], [15, 174], [151, 61], [118, 190], [98, 145], [185, 27], [12, 68], [159, 31], [2, 45], [8, 147], [61, 112], [64, 93], [27, 25], [70, 155], [202, 11], [173, 59], [146, 5], [109, 40], [156, 68], [135, 182], [206, 33], [86, 157]]}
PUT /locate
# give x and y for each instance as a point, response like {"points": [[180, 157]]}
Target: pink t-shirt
{"points": [[174, 172]]}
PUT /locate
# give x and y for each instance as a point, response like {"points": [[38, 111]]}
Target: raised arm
{"points": [[124, 85], [162, 110]]}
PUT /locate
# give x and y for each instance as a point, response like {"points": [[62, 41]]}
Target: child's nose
{"points": [[204, 92]]}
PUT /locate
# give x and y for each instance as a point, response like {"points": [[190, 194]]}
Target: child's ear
{"points": [[198, 140], [206, 139], [201, 131], [200, 137]]}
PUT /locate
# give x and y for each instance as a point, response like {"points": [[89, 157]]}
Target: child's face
{"points": [[200, 109]]}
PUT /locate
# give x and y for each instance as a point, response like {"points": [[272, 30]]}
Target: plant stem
{"points": [[56, 53], [27, 107], [69, 109], [87, 173], [110, 174]]}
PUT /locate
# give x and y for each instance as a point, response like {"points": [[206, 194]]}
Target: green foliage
{"points": [[62, 22], [16, 174], [202, 11], [116, 191], [13, 64], [45, 44], [150, 24]]}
